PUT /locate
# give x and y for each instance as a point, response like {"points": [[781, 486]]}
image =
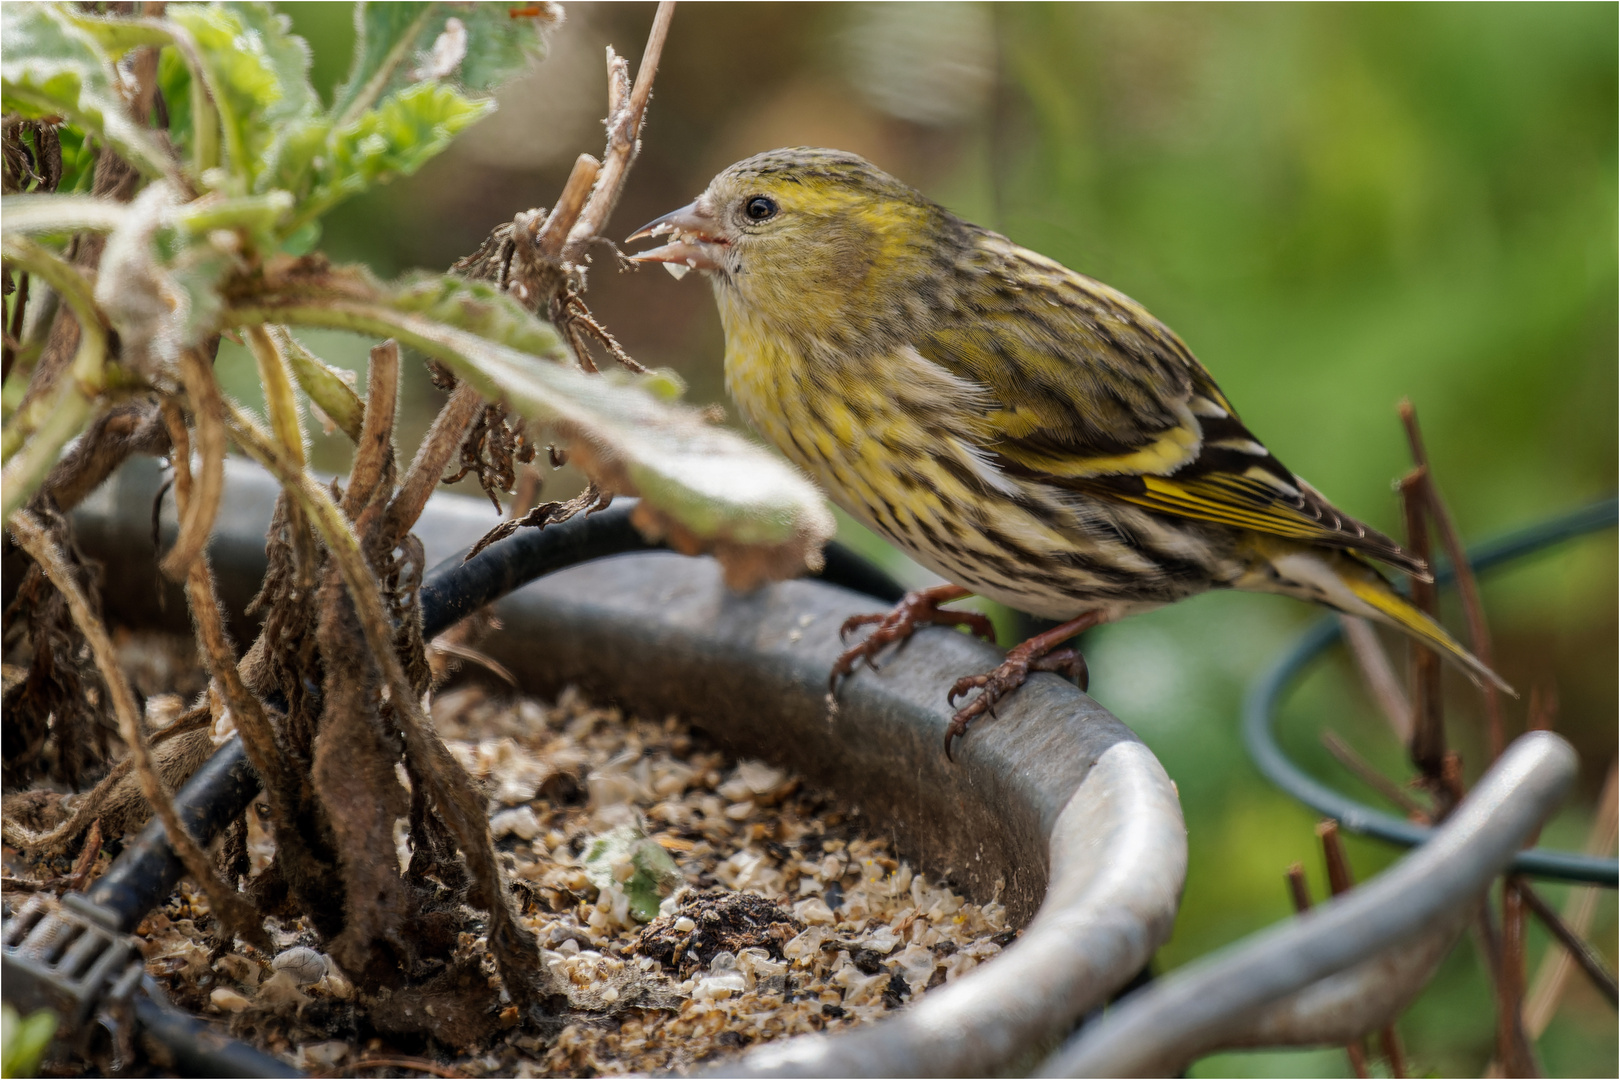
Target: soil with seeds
{"points": [[785, 919]]}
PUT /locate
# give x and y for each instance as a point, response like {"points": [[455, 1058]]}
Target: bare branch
{"points": [[1347, 756], [1553, 975], [1584, 955], [1479, 631], [1428, 747], [374, 453], [624, 133], [560, 222], [252, 723], [443, 439], [197, 375]]}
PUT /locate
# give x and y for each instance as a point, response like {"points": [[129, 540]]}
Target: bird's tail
{"points": [[1389, 606], [1348, 583]]}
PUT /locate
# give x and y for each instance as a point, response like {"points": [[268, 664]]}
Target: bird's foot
{"points": [[919, 608], [1039, 653]]}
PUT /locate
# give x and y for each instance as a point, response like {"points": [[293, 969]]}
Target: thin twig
{"points": [[560, 222], [197, 375], [1340, 880], [1586, 956], [1364, 770], [1553, 974], [233, 912], [1479, 630], [443, 439], [1379, 675], [1512, 1047], [1543, 710], [252, 722], [625, 117], [374, 450], [1428, 748], [1298, 890]]}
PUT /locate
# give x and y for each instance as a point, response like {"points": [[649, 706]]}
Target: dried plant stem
{"points": [[625, 116], [48, 842], [1479, 630], [233, 912], [281, 403], [1547, 989], [124, 430], [374, 451], [1379, 675], [1584, 955], [1298, 891], [560, 222], [14, 332], [1512, 1047], [461, 806], [197, 521], [1341, 880], [442, 441], [1364, 770], [1428, 747], [252, 722]]}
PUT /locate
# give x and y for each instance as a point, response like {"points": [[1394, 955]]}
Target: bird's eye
{"points": [[760, 208]]}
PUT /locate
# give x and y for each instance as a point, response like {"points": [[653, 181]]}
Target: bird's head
{"points": [[799, 230]]}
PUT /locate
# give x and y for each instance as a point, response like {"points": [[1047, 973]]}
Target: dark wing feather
{"points": [[1094, 394]]}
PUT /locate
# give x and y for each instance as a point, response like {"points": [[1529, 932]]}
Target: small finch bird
{"points": [[1028, 433]]}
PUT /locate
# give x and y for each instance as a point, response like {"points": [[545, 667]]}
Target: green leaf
{"points": [[23, 1042], [326, 385], [398, 44], [629, 860], [259, 75], [481, 308], [703, 487], [395, 139], [117, 36], [51, 67]]}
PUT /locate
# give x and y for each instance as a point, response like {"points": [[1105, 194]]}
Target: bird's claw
{"points": [[1009, 676], [914, 609]]}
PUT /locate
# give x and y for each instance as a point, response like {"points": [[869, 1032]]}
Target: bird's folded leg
{"points": [[1039, 653], [915, 609]]}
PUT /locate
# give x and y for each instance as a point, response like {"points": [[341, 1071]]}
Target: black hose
{"points": [[197, 1048]]}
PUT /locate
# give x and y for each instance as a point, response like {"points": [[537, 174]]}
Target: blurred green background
{"points": [[1335, 206]]}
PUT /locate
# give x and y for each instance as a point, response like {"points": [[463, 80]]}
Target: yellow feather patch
{"points": [[1169, 452], [1398, 610]]}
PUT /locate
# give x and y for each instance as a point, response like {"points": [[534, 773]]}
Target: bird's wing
{"points": [[1092, 393]]}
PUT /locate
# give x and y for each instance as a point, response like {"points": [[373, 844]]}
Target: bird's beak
{"points": [[697, 243]]}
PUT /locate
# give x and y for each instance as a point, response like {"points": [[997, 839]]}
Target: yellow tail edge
{"points": [[1399, 612]]}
